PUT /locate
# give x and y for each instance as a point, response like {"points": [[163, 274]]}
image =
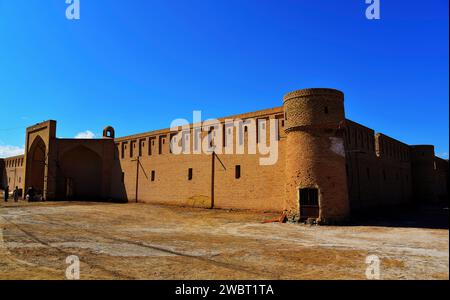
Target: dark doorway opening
{"points": [[82, 170], [309, 203], [36, 161]]}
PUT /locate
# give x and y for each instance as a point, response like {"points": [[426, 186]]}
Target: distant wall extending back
{"points": [[12, 172], [383, 171]]}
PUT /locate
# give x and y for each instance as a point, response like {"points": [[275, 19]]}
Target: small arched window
{"points": [[108, 132]]}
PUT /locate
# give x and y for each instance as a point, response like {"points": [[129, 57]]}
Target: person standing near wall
{"points": [[6, 193], [16, 194]]}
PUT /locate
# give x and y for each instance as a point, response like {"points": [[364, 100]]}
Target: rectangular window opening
{"points": [[153, 175], [237, 174], [160, 145]]}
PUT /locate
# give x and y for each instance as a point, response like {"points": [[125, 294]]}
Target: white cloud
{"points": [[443, 155], [8, 151], [85, 135]]}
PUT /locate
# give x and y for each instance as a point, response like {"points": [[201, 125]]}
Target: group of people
{"points": [[16, 194]]}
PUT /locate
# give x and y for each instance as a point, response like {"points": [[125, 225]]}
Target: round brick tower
{"points": [[316, 182]]}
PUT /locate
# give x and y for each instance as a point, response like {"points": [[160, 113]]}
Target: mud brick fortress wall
{"points": [[12, 172], [339, 166]]}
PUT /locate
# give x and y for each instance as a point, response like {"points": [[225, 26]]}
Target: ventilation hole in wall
{"points": [[237, 173], [153, 175], [282, 123], [190, 174]]}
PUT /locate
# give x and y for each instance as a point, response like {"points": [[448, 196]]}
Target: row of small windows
{"points": [[12, 163], [19, 180], [190, 174], [137, 147]]}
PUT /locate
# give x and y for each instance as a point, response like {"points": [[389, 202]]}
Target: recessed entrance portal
{"points": [[82, 172], [309, 203], [36, 165]]}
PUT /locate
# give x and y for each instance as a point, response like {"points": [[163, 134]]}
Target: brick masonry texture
{"points": [[352, 167]]}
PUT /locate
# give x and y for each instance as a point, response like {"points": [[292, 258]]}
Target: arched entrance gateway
{"points": [[72, 169], [36, 163]]}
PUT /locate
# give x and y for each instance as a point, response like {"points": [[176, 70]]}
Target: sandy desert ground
{"points": [[142, 241]]}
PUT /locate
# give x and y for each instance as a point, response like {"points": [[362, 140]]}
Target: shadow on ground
{"points": [[434, 216]]}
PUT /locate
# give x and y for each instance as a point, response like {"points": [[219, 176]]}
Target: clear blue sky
{"points": [[137, 65]]}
